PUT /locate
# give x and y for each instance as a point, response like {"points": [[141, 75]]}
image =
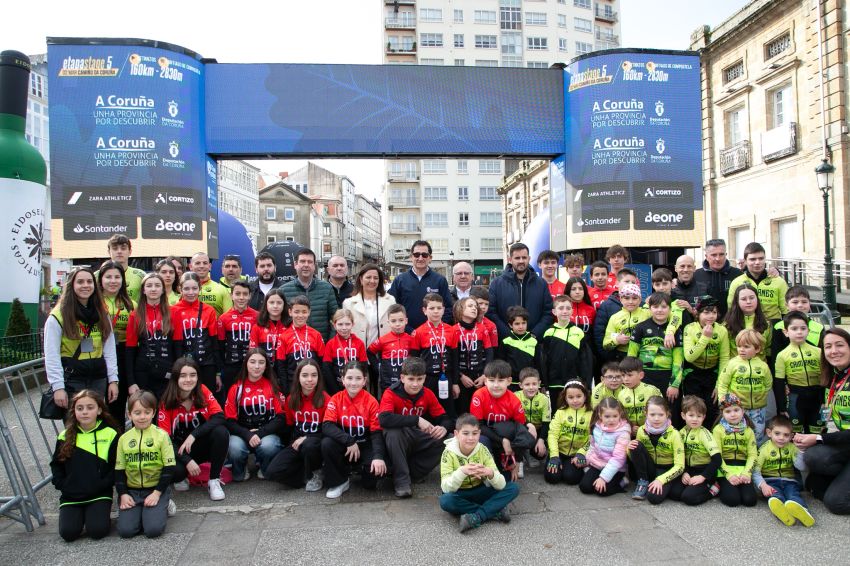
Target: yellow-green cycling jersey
{"points": [[538, 409], [452, 478], [750, 380], [142, 454], [600, 391], [668, 451], [569, 431], [776, 462], [837, 397], [634, 401], [704, 352], [770, 290], [799, 365], [700, 446], [623, 322], [217, 296], [749, 320], [118, 316], [736, 447]]}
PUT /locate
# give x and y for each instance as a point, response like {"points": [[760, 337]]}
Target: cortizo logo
{"points": [[655, 193], [663, 218], [163, 226], [165, 198]]}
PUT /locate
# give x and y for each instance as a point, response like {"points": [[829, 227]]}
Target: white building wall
{"points": [[238, 195]]}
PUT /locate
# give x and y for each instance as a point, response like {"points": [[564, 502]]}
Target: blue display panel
{"points": [[633, 151], [127, 149], [384, 110]]}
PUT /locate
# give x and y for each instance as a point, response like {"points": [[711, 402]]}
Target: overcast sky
{"points": [[301, 31]]}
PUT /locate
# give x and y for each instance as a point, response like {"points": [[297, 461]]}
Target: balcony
{"points": [[395, 49], [406, 177], [399, 2], [400, 23], [605, 14], [779, 142], [404, 203], [404, 228], [735, 158], [609, 38]]}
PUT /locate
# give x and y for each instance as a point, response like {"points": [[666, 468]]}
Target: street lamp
{"points": [[824, 173], [451, 267]]}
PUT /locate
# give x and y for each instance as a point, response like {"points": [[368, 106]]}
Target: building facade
{"points": [[769, 120], [287, 215], [454, 204], [238, 195], [524, 194], [368, 240]]}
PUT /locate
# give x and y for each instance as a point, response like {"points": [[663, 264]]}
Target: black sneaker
{"points": [[504, 515], [403, 492], [469, 521]]}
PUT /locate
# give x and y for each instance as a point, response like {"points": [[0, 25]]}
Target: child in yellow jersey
{"points": [[657, 453], [777, 474], [634, 394], [737, 442], [612, 383], [538, 411], [706, 349], [568, 435], [620, 326], [748, 377], [702, 457], [798, 372]]}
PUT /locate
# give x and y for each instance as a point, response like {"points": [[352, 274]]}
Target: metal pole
{"points": [[828, 279]]}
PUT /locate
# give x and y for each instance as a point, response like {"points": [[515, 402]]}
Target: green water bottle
{"points": [[23, 175]]}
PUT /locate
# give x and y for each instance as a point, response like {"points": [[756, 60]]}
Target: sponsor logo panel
{"points": [[100, 227]]}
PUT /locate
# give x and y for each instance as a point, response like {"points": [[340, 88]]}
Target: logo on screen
{"points": [[659, 145], [160, 198], [649, 219], [173, 149], [659, 109], [173, 110], [79, 229]]}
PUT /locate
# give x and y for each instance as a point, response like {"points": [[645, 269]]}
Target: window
{"points": [[464, 245], [562, 44], [510, 16], [486, 63], [488, 193], [433, 166], [734, 71], [460, 62], [485, 17], [326, 249], [489, 166], [535, 18], [491, 245], [37, 85], [485, 41], [545, 181], [463, 193], [289, 214], [304, 188], [583, 47], [436, 193], [780, 106], [431, 39], [734, 125], [271, 213], [458, 19], [326, 229], [431, 14], [463, 219], [491, 219], [777, 46], [437, 219], [425, 61], [537, 65], [270, 239], [290, 238], [462, 166], [440, 245], [537, 43], [562, 21], [512, 44], [583, 25], [582, 4], [458, 40]]}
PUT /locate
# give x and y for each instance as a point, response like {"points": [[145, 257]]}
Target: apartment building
{"points": [[238, 195]]}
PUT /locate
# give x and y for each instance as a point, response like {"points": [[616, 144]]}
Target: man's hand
{"points": [[353, 452]]}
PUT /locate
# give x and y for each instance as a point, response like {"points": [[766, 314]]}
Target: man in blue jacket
{"points": [[410, 287], [520, 286]]}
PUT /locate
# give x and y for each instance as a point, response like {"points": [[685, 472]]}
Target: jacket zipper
{"points": [[141, 476]]}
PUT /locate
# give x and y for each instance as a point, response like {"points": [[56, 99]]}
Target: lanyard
{"points": [[441, 348], [298, 338], [85, 329], [835, 387]]}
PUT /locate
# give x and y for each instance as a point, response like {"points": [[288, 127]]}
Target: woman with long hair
{"points": [[746, 312], [165, 269], [113, 288]]}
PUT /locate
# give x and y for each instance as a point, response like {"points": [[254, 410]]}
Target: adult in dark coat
{"points": [[520, 286], [410, 287], [717, 274]]}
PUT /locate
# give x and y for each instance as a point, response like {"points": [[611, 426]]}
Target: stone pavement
{"points": [[262, 523]]}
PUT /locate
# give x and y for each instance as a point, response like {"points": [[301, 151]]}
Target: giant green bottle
{"points": [[23, 175]]}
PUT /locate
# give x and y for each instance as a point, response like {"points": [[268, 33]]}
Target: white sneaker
{"points": [[336, 492], [520, 470], [315, 483], [181, 486], [172, 508], [260, 475], [245, 477], [216, 493]]}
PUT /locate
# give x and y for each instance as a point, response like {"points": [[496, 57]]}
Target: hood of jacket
{"points": [[453, 446]]}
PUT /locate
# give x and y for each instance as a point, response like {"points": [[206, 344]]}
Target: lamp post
{"points": [[451, 267], [824, 173]]}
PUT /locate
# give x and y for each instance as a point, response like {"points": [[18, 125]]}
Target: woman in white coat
{"points": [[369, 303]]}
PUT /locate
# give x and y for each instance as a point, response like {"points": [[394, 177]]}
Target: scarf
{"points": [[730, 428], [660, 430], [87, 314]]}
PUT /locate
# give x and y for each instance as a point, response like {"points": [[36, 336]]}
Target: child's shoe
{"points": [[777, 507], [469, 521], [172, 508], [504, 515], [641, 488], [520, 470], [336, 492], [216, 493], [260, 475], [714, 489], [181, 486], [315, 482], [800, 513]]}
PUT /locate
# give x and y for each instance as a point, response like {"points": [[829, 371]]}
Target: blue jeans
{"points": [[786, 490], [483, 500], [238, 453], [758, 418]]}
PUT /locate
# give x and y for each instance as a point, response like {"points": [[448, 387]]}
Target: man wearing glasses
{"points": [[716, 273], [462, 279], [410, 287]]}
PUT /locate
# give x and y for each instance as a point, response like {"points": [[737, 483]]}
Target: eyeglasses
{"points": [[613, 377], [421, 254]]}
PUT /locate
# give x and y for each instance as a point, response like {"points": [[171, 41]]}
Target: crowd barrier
{"points": [[27, 442]]}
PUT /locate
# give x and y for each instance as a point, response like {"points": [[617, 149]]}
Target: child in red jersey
{"points": [[267, 332], [352, 435], [341, 349], [414, 425], [150, 352], [195, 331], [392, 348], [583, 311], [436, 343], [482, 297], [600, 290], [504, 430], [254, 413], [193, 419], [234, 336], [299, 342], [474, 351], [301, 461]]}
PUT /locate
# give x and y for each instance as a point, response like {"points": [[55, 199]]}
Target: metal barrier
{"points": [[22, 431], [20, 349]]}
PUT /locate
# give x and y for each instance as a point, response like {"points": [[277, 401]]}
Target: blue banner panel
{"points": [[633, 151], [127, 149], [389, 110]]}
